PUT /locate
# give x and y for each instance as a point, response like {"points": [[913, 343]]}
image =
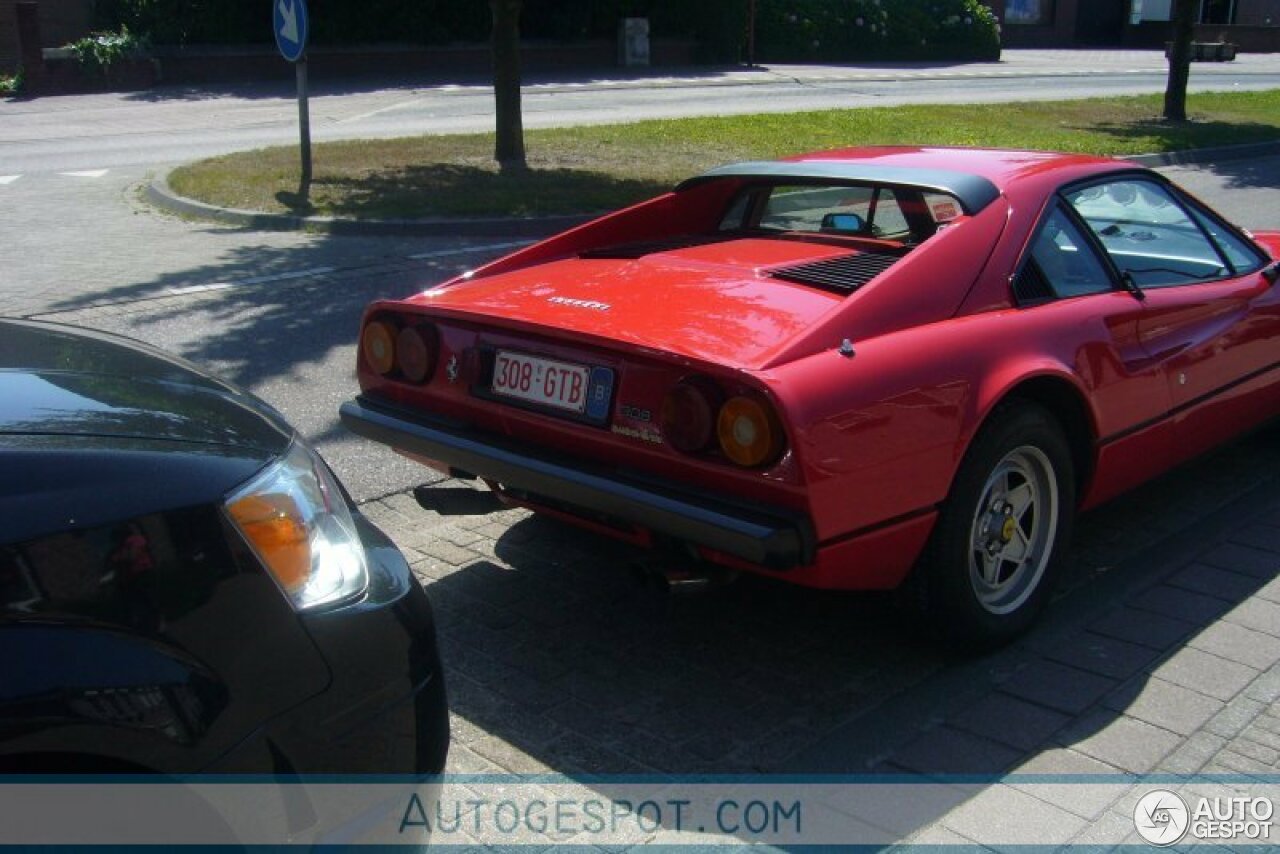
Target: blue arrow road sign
{"points": [[291, 25]]}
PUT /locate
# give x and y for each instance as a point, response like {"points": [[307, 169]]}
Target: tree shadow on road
{"points": [[1249, 173]]}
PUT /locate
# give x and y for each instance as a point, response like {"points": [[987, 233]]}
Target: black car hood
{"points": [[96, 429], [56, 381]]}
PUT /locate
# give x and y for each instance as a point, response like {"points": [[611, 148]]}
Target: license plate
{"points": [[560, 385]]}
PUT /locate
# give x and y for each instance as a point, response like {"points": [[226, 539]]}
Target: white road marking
{"points": [[197, 289], [8, 179], [281, 277], [442, 253], [397, 106], [256, 280], [89, 173]]}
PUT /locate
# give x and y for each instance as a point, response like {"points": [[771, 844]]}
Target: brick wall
{"points": [[8, 38], [1059, 32], [1258, 13], [61, 21]]}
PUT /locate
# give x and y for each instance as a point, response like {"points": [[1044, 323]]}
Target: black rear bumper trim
{"points": [[776, 538]]}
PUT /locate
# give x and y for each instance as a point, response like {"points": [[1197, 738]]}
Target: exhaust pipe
{"points": [[680, 576]]}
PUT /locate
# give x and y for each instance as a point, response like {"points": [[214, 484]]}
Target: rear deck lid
{"points": [[728, 302]]}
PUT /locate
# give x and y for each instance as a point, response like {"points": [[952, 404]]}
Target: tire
{"points": [[998, 545]]}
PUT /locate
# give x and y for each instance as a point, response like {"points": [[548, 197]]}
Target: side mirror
{"points": [[1271, 272]]}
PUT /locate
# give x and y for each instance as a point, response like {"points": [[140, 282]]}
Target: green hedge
{"points": [[855, 30], [786, 30], [188, 21], [343, 22]]}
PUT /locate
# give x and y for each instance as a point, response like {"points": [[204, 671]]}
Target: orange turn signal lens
{"points": [[749, 432], [416, 352], [273, 524], [377, 342], [297, 523]]}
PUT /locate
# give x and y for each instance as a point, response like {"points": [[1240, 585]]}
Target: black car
{"points": [[185, 587]]}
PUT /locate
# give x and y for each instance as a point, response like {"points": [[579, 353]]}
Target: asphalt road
{"points": [[169, 125]]}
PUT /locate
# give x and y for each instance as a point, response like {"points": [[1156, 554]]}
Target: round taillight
{"points": [[416, 352], [688, 416], [378, 343], [749, 432]]}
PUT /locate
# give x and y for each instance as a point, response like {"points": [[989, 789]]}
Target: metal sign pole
{"points": [[304, 125], [292, 23]]}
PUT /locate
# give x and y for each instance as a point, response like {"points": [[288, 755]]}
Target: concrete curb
{"points": [[1206, 155], [159, 193]]}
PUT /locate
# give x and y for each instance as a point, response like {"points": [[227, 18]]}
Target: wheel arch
{"points": [[942, 586], [1061, 394]]}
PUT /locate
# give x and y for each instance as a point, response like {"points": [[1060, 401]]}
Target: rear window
{"points": [[888, 213]]}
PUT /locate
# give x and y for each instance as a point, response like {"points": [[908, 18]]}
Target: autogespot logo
{"points": [[1161, 817]]}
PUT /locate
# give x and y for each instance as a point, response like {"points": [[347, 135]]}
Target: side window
{"points": [[888, 219], [1061, 263], [736, 216], [1147, 234], [1242, 257]]}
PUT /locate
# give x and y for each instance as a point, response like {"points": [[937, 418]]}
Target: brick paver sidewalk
{"points": [[1159, 658]]}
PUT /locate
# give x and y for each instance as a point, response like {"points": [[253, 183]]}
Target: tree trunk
{"points": [[508, 147], [1175, 93]]}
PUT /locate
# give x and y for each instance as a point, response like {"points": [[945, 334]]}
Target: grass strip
{"points": [[599, 168]]}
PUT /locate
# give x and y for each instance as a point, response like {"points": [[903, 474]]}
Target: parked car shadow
{"points": [[1187, 136], [559, 660]]}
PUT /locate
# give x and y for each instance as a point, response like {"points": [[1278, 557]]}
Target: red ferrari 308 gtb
{"points": [[847, 369]]}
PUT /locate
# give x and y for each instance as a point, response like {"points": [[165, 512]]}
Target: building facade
{"points": [[1138, 23], [61, 21]]}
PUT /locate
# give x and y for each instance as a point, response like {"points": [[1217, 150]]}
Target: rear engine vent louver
{"points": [[641, 248], [844, 274]]}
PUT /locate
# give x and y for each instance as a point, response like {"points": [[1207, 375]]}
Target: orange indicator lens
{"points": [[378, 345], [748, 431]]}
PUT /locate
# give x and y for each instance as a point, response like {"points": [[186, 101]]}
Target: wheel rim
{"points": [[1014, 527]]}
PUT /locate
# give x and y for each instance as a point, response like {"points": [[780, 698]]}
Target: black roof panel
{"points": [[972, 191]]}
